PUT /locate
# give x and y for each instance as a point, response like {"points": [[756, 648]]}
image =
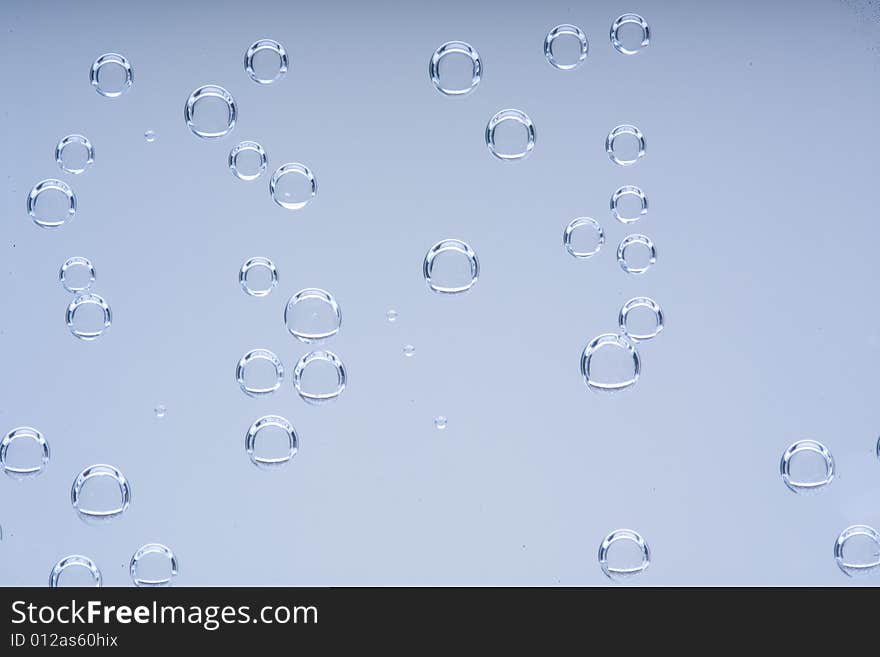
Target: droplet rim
{"points": [[629, 241], [806, 446], [572, 226], [618, 131], [289, 169], [641, 302], [459, 246], [327, 357], [266, 44], [620, 341], [259, 354], [89, 298], [210, 91], [74, 560], [629, 19], [152, 548], [19, 433], [566, 29], [111, 58], [517, 116], [44, 186], [100, 470], [75, 139], [460, 48], [623, 535]]}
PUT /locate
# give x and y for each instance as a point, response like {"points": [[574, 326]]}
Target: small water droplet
{"points": [[74, 154], [261, 383], [77, 274], [409, 351], [455, 68], [160, 411], [610, 363], [632, 151], [440, 422], [111, 75], [857, 550], [81, 570], [24, 452], [254, 268], [451, 267], [622, 196], [270, 453], [88, 316], [91, 498], [150, 136], [319, 377], [636, 254], [293, 186], [632, 322], [624, 45], [391, 315], [312, 315], [51, 203], [624, 554], [266, 61], [153, 565], [508, 147], [583, 237], [558, 55], [247, 160], [210, 112], [807, 466]]}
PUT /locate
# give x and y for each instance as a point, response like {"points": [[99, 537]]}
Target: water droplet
{"points": [[807, 466], [77, 570], [451, 267], [624, 554], [638, 329], [160, 411], [625, 45], [857, 550], [583, 237], [74, 154], [610, 363], [636, 260], [278, 442], [111, 75], [258, 276], [210, 112], [51, 203], [247, 160], [24, 452], [150, 136], [391, 315], [629, 153], [312, 315], [293, 186], [455, 68], [409, 351], [510, 135], [621, 196], [440, 422], [319, 377], [153, 565], [266, 61], [77, 274], [261, 383], [88, 316], [100, 493], [557, 48]]}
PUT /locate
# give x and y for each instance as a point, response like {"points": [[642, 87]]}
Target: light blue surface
{"points": [[761, 172]]}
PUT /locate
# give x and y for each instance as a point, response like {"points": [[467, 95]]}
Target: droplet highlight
{"points": [[75, 570], [624, 554], [271, 441], [807, 466], [90, 497], [636, 254], [312, 315], [74, 154], [88, 316], [610, 363], [558, 47], [451, 266], [622, 196], [258, 276], [630, 153], [319, 377], [518, 138], [583, 237], [455, 68], [24, 452], [77, 274], [633, 324], [51, 203], [210, 112], [293, 186], [857, 551], [111, 75], [627, 46], [253, 376], [247, 160], [153, 565]]}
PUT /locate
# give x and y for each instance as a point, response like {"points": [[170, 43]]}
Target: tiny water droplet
{"points": [[391, 315], [150, 136], [160, 410], [409, 351], [440, 422]]}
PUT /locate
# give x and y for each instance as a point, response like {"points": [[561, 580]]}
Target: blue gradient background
{"points": [[761, 173]]}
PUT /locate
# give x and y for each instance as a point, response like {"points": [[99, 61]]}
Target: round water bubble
{"points": [[293, 186], [636, 254], [111, 75], [74, 154], [629, 34], [409, 351], [266, 61], [149, 136], [455, 68], [641, 318], [622, 201], [610, 363], [271, 442], [51, 203], [391, 316], [210, 112], [258, 276], [583, 237], [510, 135], [857, 550], [807, 466], [77, 274], [440, 423], [153, 565], [312, 315], [247, 160], [24, 452], [160, 411], [624, 554], [566, 47], [75, 570], [451, 267], [625, 145], [319, 377], [88, 316], [259, 372], [100, 492]]}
